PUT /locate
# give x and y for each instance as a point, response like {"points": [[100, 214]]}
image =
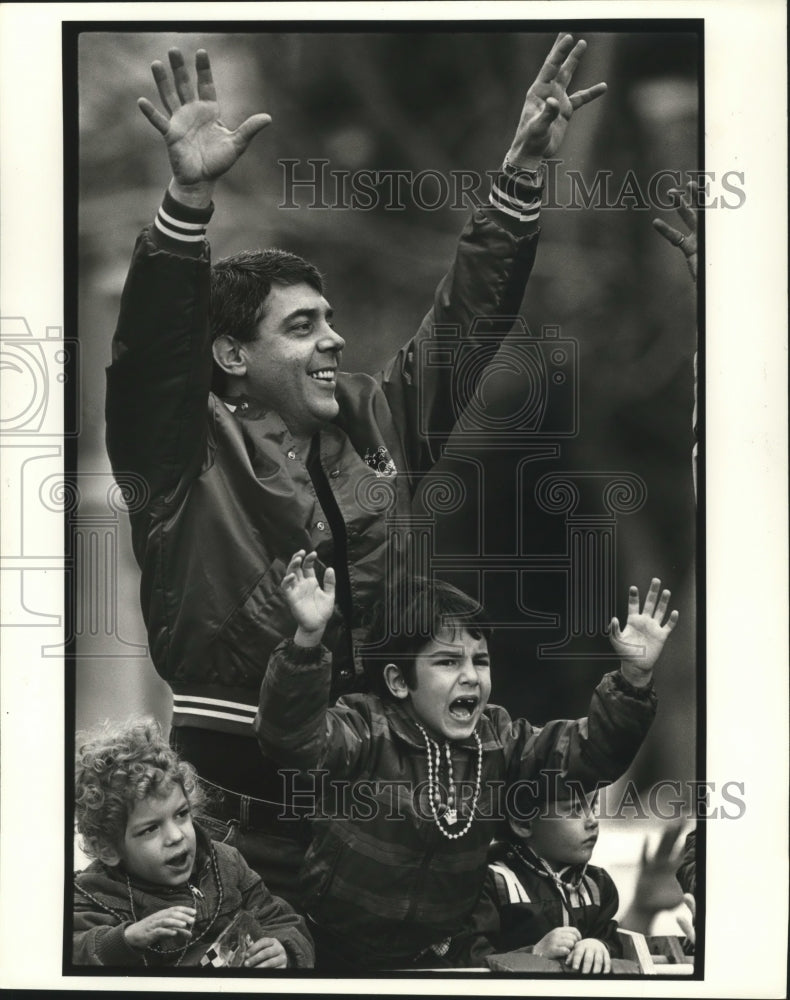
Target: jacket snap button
{"points": [[292, 454], [320, 525]]}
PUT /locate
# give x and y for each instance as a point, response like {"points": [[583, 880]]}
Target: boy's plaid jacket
{"points": [[379, 875]]}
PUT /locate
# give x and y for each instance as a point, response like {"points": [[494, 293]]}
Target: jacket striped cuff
{"points": [[182, 223], [517, 192]]}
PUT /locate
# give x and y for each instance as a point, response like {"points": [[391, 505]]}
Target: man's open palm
{"points": [[200, 147]]}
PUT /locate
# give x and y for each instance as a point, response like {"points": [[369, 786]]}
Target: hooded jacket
{"points": [[221, 885], [379, 875], [219, 495]]}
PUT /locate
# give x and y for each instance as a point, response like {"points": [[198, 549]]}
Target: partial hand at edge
{"points": [[687, 242]]}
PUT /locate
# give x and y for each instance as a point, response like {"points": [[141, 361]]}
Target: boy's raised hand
{"points": [[548, 107], [640, 643], [310, 603], [200, 147], [174, 922]]}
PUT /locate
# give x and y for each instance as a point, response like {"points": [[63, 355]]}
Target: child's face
{"points": [[567, 835], [159, 844], [453, 684]]}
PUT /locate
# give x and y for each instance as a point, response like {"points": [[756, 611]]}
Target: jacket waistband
{"points": [[227, 714]]}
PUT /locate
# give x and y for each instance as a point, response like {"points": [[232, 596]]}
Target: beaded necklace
{"points": [[197, 894], [450, 814]]}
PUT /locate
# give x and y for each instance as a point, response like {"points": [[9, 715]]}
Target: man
{"points": [[226, 396]]}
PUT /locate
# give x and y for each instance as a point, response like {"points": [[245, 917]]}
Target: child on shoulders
{"points": [[417, 768], [160, 892]]}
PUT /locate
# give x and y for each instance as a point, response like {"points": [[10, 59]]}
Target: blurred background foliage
{"points": [[445, 101]]}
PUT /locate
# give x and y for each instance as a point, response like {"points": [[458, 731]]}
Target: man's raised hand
{"points": [[310, 603], [200, 147], [548, 107], [640, 643]]}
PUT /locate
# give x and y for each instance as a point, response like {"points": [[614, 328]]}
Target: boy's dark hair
{"points": [[240, 285], [118, 765], [549, 795], [413, 612]]}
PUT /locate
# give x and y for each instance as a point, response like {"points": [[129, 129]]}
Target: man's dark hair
{"points": [[240, 285], [412, 613]]}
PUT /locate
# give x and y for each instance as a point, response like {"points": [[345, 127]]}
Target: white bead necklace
{"points": [[450, 814]]}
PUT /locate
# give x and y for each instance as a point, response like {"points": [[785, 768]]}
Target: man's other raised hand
{"points": [[548, 107]]}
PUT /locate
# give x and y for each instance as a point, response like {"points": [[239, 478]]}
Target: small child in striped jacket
{"points": [[550, 900]]}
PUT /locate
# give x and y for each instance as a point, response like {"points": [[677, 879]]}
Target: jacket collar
{"points": [[567, 877], [248, 408]]}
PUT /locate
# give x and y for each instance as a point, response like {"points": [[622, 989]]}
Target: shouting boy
{"points": [[418, 768]]}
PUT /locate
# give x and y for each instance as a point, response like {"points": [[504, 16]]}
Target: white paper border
{"points": [[747, 595]]}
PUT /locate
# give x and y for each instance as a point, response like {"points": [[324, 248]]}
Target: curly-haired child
{"points": [[159, 891]]}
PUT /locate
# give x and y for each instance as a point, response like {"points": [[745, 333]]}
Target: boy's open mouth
{"points": [[463, 709], [178, 861]]}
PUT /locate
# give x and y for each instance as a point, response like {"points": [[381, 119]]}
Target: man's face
{"points": [[159, 843], [453, 684], [567, 834], [292, 363]]}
